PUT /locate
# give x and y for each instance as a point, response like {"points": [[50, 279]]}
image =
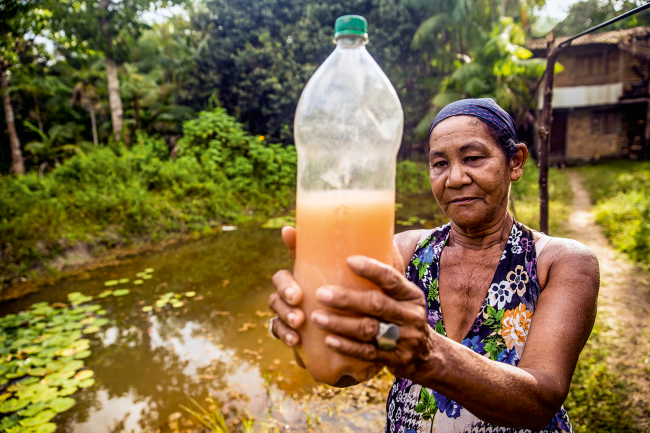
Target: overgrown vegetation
{"points": [[597, 399], [115, 194], [526, 199], [621, 194]]}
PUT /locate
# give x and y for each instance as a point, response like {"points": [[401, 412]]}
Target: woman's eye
{"points": [[472, 158], [439, 164]]}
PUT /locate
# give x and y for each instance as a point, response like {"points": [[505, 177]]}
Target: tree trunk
{"points": [[545, 131], [37, 111], [17, 164], [115, 102], [136, 108], [114, 99], [93, 122]]}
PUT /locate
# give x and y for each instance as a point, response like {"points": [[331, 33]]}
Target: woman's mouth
{"points": [[463, 200]]}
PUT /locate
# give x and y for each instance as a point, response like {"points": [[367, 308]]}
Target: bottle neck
{"points": [[350, 41]]}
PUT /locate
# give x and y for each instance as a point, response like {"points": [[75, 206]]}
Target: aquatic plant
{"points": [[41, 361]]}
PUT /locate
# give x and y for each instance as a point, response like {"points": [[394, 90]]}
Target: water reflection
{"points": [[148, 364]]}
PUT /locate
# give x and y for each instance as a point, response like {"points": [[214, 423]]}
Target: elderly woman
{"points": [[518, 305]]}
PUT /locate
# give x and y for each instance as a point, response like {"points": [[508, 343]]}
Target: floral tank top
{"points": [[499, 333]]}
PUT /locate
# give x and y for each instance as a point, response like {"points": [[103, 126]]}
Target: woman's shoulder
{"points": [[408, 241], [561, 255]]}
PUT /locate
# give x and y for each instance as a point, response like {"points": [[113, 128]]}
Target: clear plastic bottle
{"points": [[348, 129]]}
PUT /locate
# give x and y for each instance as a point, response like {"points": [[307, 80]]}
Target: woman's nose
{"points": [[457, 176]]}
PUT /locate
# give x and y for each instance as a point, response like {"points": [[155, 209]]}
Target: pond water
{"points": [[149, 363]]}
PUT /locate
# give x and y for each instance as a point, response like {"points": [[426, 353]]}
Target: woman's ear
{"points": [[518, 161]]}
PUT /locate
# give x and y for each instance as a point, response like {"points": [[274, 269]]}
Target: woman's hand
{"points": [[400, 302], [287, 296]]}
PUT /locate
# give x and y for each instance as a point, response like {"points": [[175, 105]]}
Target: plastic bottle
{"points": [[348, 129]]}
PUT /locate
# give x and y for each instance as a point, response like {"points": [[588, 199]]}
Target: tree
{"points": [[19, 26], [104, 26], [84, 92], [588, 13], [502, 69], [262, 52]]}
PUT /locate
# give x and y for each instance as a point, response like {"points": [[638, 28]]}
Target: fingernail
{"points": [[291, 317], [332, 341], [355, 261], [290, 293], [291, 340], [320, 318], [324, 295]]}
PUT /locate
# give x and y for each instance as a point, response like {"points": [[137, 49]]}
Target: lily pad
{"points": [[32, 409], [91, 329], [111, 283], [121, 292], [53, 366], [38, 371], [147, 277], [161, 303], [124, 280], [68, 390], [88, 320], [92, 308], [62, 404], [105, 293], [13, 404], [41, 418], [84, 374], [73, 366], [100, 322], [82, 355], [30, 380], [138, 282], [178, 304], [3, 397], [101, 312], [190, 294], [87, 383], [48, 427], [149, 270]]}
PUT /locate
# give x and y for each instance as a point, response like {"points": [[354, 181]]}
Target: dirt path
{"points": [[623, 303]]}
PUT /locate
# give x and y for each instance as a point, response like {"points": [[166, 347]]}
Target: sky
{"points": [[557, 9]]}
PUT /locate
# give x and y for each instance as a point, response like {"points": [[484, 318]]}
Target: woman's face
{"points": [[469, 173]]}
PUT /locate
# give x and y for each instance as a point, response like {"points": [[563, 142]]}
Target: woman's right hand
{"points": [[287, 296]]}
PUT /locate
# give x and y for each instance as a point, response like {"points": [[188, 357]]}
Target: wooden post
{"points": [[545, 131]]}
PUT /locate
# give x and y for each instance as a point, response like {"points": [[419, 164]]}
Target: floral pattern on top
{"points": [[499, 333]]}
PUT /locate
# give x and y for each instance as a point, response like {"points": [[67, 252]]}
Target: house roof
{"points": [[609, 38]]}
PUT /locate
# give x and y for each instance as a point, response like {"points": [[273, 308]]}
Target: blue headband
{"points": [[485, 109]]}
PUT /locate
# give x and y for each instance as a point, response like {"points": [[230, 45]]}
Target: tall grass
{"points": [[621, 194]]}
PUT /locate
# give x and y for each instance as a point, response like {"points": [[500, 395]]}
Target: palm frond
{"points": [[429, 29]]}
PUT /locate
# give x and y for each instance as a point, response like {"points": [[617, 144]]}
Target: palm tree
{"points": [[501, 69], [60, 140], [84, 91]]}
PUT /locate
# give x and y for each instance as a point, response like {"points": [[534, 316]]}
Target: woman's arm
{"points": [[522, 397]]}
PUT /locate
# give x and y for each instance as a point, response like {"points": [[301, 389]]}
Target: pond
{"points": [[194, 328]]}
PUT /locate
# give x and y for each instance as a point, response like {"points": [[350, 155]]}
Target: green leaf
{"points": [[48, 427], [84, 374], [87, 383], [121, 292], [13, 405], [420, 408], [62, 404], [111, 283], [83, 354], [41, 418], [32, 409]]}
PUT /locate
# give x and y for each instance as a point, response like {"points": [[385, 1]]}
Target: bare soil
{"points": [[623, 304]]}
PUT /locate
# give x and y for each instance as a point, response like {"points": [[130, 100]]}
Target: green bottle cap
{"points": [[351, 25]]}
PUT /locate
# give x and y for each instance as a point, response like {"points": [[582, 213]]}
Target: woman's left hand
{"points": [[400, 302]]}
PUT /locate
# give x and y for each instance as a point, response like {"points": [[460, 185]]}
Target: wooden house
{"points": [[601, 99]]}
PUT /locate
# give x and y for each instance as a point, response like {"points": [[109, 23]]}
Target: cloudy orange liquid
{"points": [[331, 226]]}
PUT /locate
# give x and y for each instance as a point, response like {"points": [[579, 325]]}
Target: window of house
{"points": [[605, 122], [591, 65]]}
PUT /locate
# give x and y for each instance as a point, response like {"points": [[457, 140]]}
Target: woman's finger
{"points": [[359, 328], [369, 303], [364, 351], [289, 239], [293, 317], [286, 334], [391, 281], [287, 287]]}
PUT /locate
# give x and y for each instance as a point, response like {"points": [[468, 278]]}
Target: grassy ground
{"points": [[620, 192]]}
